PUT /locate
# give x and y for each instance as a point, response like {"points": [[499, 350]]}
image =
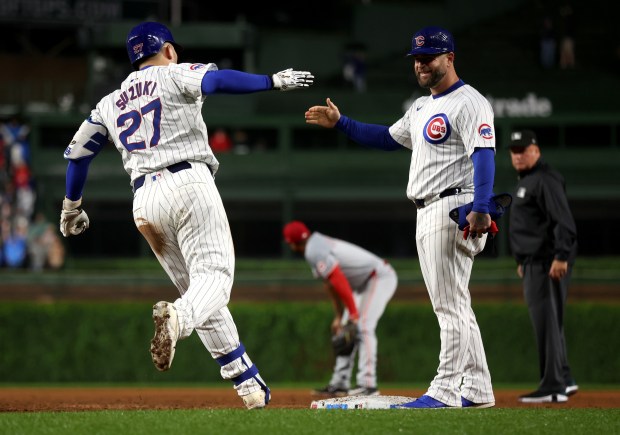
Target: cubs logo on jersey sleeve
{"points": [[437, 129], [485, 131]]}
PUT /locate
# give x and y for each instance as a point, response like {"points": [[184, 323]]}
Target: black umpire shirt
{"points": [[542, 227]]}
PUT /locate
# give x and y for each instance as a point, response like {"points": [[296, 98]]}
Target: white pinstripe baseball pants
{"points": [[446, 261], [182, 217]]}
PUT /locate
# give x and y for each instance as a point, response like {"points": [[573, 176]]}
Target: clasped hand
{"points": [[73, 220]]}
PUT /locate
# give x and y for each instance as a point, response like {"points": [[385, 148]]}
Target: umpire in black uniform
{"points": [[543, 239]]}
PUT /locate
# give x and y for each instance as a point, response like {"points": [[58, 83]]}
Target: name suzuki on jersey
{"points": [[136, 90]]}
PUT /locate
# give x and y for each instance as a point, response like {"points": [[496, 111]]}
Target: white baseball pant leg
{"points": [[182, 217], [446, 261]]}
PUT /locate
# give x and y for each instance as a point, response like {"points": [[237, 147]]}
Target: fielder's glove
{"points": [[344, 341], [73, 220], [288, 79], [498, 205]]}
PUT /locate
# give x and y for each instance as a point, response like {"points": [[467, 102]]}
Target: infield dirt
{"points": [[30, 399]]}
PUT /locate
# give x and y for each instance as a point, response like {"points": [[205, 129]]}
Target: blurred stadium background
{"points": [[59, 57]]}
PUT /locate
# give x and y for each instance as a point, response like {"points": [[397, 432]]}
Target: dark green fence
{"points": [[289, 342]]}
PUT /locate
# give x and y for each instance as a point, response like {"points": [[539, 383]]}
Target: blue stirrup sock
{"points": [[251, 372]]}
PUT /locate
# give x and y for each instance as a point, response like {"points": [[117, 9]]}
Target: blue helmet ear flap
{"points": [[498, 205]]}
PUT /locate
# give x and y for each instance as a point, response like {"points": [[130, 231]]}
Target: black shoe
{"points": [[331, 391], [543, 397], [364, 391]]}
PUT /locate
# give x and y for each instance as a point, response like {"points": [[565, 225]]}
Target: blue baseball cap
{"points": [[432, 40], [146, 39]]}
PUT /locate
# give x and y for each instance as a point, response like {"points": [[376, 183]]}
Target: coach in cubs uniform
{"points": [[450, 134], [360, 285], [543, 239], [155, 121]]}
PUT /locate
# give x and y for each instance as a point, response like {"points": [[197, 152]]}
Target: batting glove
{"points": [[288, 79], [73, 220]]}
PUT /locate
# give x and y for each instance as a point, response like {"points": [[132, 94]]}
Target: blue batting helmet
{"points": [[431, 40], [146, 39]]}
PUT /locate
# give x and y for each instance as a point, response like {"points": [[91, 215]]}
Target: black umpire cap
{"points": [[521, 139]]}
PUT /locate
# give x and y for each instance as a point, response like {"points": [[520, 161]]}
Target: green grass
{"points": [[305, 421]]}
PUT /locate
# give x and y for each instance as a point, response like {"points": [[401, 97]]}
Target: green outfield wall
{"points": [[289, 342]]}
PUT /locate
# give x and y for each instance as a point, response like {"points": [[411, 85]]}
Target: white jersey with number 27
{"points": [[155, 118]]}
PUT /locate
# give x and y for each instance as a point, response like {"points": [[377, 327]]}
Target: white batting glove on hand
{"points": [[288, 80], [73, 220]]}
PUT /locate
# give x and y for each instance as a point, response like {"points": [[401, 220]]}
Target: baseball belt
{"points": [[420, 203], [176, 167]]}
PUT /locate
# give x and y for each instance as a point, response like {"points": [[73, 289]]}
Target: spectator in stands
{"points": [[567, 39], [25, 195], [5, 221], [547, 44], [44, 246], [354, 66], [543, 239], [15, 243], [241, 143], [220, 141], [4, 169], [15, 136]]}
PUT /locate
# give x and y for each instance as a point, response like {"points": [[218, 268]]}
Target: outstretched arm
{"points": [[231, 81], [371, 135]]}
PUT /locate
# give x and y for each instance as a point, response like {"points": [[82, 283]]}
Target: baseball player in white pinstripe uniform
{"points": [[155, 122], [360, 285], [451, 137]]}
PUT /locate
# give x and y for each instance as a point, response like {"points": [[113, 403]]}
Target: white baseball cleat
{"points": [[254, 400], [572, 389], [543, 397], [164, 342]]}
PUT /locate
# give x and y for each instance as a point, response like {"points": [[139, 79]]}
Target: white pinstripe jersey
{"points": [[324, 253], [155, 118], [442, 132]]}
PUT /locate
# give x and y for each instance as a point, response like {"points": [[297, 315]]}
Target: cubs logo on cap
{"points": [[432, 40], [146, 39]]}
